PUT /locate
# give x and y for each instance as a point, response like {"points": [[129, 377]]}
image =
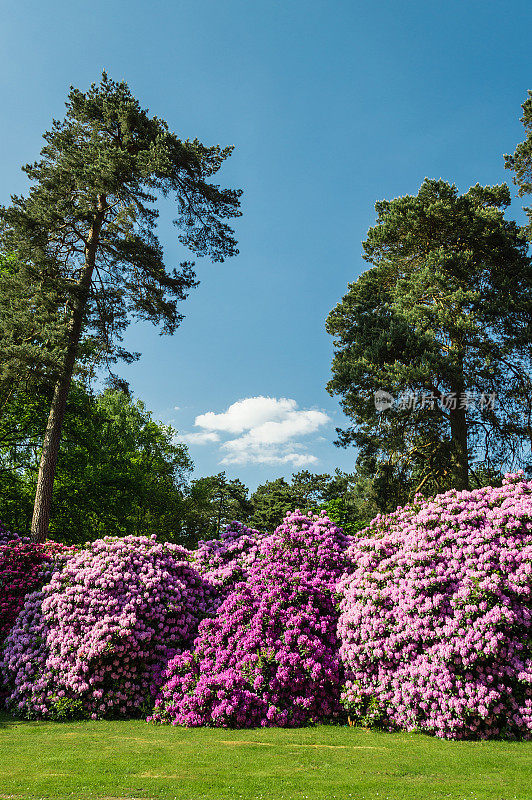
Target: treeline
{"points": [[120, 472], [432, 359]]}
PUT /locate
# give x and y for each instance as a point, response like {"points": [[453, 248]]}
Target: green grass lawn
{"points": [[111, 760]]}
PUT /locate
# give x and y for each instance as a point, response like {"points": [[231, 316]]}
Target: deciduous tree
{"points": [[211, 503], [119, 472]]}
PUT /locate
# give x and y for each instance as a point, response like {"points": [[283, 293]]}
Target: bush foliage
{"points": [[422, 621], [436, 615], [95, 638]]}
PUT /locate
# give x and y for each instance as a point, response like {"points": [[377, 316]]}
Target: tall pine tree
{"points": [[88, 226], [520, 162], [442, 322]]}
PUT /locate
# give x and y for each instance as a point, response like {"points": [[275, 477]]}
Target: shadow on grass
{"points": [[6, 721]]}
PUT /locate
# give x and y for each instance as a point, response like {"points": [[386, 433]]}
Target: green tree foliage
{"points": [[119, 472], [352, 501], [521, 160], [274, 499], [213, 502], [271, 502], [348, 499], [31, 329], [88, 225], [445, 310]]}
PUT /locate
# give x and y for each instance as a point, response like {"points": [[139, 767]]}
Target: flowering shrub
{"points": [[23, 567], [225, 561], [434, 631], [95, 638], [270, 655], [436, 615], [310, 545]]}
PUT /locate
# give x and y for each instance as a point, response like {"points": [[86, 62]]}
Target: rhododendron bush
{"points": [[226, 561], [24, 566], [94, 639], [436, 615], [270, 655], [422, 621]]}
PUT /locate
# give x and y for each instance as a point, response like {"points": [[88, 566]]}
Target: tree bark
{"points": [[54, 426], [459, 439], [458, 422]]}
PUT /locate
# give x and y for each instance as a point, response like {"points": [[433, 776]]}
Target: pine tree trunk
{"points": [[458, 422], [459, 440], [54, 426]]}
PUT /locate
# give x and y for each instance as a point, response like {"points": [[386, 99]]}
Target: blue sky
{"points": [[330, 106]]}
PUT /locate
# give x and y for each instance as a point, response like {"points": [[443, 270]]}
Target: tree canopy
{"points": [[442, 324], [520, 162], [119, 471], [211, 503], [31, 331], [88, 227], [347, 498]]}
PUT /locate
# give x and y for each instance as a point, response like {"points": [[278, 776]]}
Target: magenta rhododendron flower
{"points": [[270, 654], [436, 615], [24, 566], [226, 561]]}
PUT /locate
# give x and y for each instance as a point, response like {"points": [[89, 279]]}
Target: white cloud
{"points": [[201, 437], [257, 454], [295, 423], [269, 429], [246, 414]]}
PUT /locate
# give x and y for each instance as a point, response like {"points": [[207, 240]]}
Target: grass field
{"points": [[111, 760]]}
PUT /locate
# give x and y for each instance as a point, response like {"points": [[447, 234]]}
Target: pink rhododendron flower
{"points": [[436, 610], [75, 626]]}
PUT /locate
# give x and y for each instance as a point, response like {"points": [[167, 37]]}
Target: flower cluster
{"points": [[436, 613], [23, 568], [226, 561], [95, 638], [270, 654]]}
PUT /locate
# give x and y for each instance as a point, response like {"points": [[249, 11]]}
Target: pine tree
{"points": [[520, 162], [88, 225], [442, 323], [31, 329]]}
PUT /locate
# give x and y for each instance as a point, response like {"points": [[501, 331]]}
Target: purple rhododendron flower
{"points": [[24, 567], [7, 536], [270, 654]]}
